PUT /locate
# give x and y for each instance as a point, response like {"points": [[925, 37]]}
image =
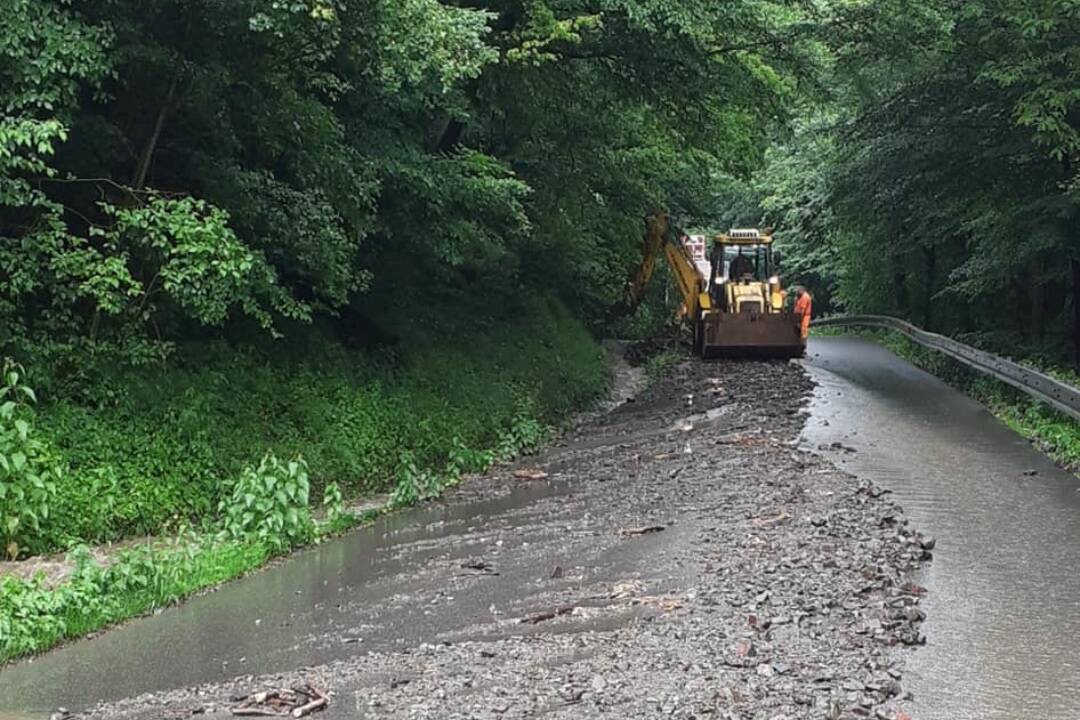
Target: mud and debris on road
{"points": [[690, 561]]}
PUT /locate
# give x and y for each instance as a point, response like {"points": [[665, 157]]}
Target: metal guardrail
{"points": [[1042, 387]]}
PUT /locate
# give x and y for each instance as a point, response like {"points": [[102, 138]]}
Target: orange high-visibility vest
{"points": [[804, 307]]}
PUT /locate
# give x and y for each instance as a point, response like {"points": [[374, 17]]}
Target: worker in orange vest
{"points": [[804, 307]]}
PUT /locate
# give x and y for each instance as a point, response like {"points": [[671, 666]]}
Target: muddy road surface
{"points": [[681, 557]]}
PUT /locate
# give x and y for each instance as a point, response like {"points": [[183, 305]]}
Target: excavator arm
{"points": [[688, 278], [656, 229]]}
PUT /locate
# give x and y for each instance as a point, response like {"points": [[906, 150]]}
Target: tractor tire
{"points": [[699, 337]]}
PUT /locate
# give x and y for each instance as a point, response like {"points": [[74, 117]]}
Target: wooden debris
{"points": [[647, 530], [284, 702], [545, 616], [316, 704], [248, 711], [479, 566], [530, 474]]}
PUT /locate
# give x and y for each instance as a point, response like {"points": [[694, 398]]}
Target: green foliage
{"points": [[414, 484], [463, 459], [29, 472], [269, 504], [333, 503], [657, 365], [525, 434], [939, 176], [35, 616], [176, 172], [149, 450]]}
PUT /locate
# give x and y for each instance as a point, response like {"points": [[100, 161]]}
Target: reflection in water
{"points": [[1004, 601]]}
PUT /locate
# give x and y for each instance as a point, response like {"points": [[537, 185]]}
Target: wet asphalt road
{"points": [[774, 588], [1004, 600]]}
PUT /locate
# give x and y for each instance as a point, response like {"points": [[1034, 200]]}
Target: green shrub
{"points": [[34, 616], [157, 449], [333, 504], [270, 504], [414, 484], [28, 470], [463, 459]]}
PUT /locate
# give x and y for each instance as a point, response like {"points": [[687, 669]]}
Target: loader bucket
{"points": [[750, 335]]}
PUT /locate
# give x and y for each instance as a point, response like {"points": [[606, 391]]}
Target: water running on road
{"points": [[1004, 600], [276, 620]]}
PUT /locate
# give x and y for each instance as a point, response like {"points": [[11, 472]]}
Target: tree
{"points": [[943, 186]]}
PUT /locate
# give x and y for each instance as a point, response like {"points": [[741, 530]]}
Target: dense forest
{"points": [[179, 170], [938, 180], [384, 234]]}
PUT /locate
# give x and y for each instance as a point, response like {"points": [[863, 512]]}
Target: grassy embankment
{"points": [[1054, 433], [190, 453]]}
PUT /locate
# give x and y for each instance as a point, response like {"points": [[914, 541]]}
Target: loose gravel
{"points": [[689, 561]]}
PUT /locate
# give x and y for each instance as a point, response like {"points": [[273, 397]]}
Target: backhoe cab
{"points": [[734, 304]]}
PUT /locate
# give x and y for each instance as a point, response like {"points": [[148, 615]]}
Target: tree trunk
{"points": [[1036, 293], [1074, 266], [930, 255], [900, 301], [142, 168]]}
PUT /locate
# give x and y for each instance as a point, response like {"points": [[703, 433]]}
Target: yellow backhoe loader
{"points": [[739, 308]]}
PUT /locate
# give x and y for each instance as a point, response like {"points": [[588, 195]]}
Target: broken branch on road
{"points": [[294, 702], [530, 474], [647, 530], [537, 618]]}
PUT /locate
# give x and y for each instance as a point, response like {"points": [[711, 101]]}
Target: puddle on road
{"points": [[275, 620], [1004, 600]]}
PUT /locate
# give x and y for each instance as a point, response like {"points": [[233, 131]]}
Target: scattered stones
{"points": [[779, 589], [294, 702]]}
